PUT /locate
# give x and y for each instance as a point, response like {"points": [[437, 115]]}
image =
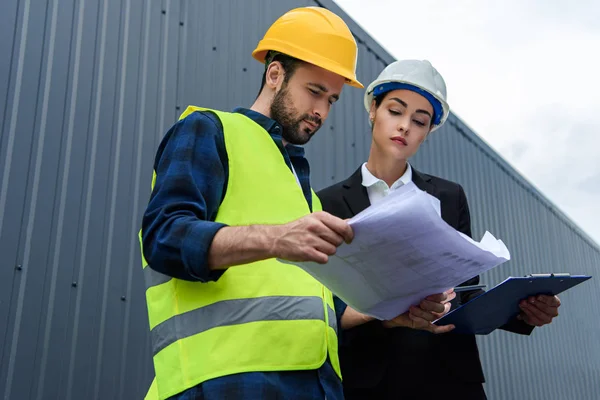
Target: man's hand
{"points": [[539, 310], [421, 316], [313, 237]]}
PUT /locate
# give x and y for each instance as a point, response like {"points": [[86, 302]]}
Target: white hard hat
{"points": [[415, 75]]}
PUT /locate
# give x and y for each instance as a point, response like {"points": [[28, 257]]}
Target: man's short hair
{"points": [[289, 64]]}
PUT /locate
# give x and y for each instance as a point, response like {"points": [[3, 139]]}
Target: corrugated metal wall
{"points": [[88, 88]]}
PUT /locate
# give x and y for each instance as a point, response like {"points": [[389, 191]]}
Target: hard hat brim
{"points": [[265, 46]]}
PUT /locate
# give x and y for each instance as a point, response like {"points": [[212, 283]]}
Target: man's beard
{"points": [[286, 117]]}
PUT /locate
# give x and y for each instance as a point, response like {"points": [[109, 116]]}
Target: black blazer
{"points": [[369, 352]]}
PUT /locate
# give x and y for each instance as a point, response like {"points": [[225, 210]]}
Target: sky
{"points": [[524, 75]]}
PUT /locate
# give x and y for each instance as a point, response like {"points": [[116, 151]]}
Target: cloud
{"points": [[516, 150], [523, 75], [591, 185]]}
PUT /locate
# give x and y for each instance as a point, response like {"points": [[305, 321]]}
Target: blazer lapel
{"points": [[423, 182], [355, 195]]}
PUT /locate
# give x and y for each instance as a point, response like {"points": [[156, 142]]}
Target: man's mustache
{"points": [[310, 118]]}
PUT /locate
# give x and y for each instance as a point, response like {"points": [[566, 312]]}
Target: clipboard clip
{"points": [[556, 275]]}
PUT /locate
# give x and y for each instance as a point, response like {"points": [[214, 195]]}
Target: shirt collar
{"points": [[268, 124], [368, 179], [272, 127]]}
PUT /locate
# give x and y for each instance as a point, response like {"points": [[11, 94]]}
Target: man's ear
{"points": [[275, 76]]}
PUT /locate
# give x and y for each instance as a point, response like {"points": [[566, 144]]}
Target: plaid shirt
{"points": [[191, 179], [178, 227]]}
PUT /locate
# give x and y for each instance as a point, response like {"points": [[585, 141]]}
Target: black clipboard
{"points": [[494, 308]]}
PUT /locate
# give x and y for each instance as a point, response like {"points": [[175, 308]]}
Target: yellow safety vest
{"points": [[262, 316]]}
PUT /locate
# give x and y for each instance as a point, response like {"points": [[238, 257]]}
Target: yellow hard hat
{"points": [[315, 35]]}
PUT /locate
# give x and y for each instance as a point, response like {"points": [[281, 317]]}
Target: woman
{"points": [[408, 357]]}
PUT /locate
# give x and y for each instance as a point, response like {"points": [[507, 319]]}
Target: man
{"points": [[409, 357], [231, 193]]}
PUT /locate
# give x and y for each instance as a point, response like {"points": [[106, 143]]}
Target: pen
{"points": [[465, 288]]}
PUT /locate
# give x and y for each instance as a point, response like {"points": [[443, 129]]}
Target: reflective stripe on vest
{"points": [[154, 278], [239, 311], [248, 310]]}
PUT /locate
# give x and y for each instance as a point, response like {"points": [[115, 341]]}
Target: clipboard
{"points": [[494, 308]]}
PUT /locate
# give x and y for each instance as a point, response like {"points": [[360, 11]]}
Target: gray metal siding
{"points": [[87, 90]]}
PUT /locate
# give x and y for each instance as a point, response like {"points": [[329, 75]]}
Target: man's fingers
{"points": [[323, 246], [317, 256], [336, 224], [331, 236]]}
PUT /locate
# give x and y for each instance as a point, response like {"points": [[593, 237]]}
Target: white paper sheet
{"points": [[403, 252]]}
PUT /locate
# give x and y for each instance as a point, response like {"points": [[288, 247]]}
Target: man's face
{"points": [[302, 104]]}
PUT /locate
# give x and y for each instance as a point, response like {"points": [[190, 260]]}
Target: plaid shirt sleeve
{"points": [[191, 177]]}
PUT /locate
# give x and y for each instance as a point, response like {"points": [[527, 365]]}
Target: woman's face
{"points": [[400, 123]]}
